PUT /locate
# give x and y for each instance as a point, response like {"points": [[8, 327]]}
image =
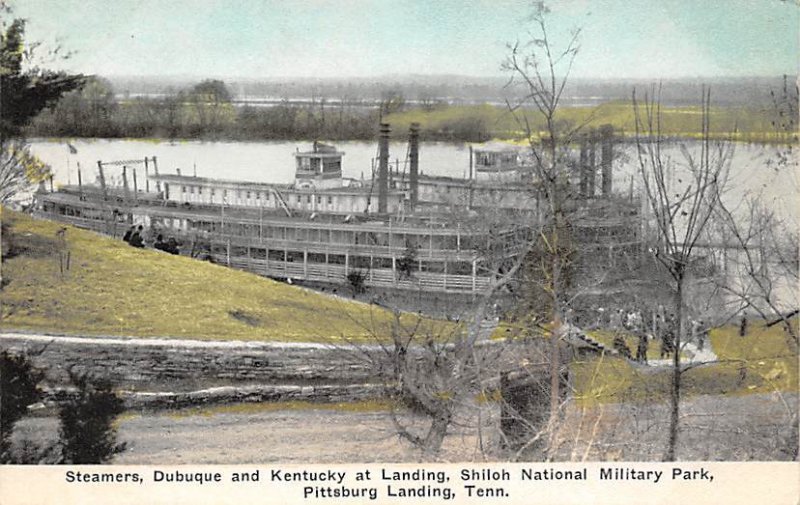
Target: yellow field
{"points": [[114, 289], [736, 123]]}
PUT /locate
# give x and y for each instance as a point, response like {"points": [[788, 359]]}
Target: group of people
{"points": [[135, 238], [170, 245], [659, 325]]}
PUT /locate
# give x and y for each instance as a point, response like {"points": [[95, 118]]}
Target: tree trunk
{"points": [[675, 390], [435, 437], [555, 333]]}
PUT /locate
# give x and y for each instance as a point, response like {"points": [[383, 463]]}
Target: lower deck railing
{"points": [[305, 270]]}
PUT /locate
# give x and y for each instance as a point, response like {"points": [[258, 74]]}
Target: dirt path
{"points": [[730, 428], [307, 435]]}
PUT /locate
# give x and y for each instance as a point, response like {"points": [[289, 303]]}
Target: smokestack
{"points": [[591, 168], [383, 167], [606, 156], [413, 162], [584, 168]]}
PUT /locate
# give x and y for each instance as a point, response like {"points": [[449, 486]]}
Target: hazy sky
{"points": [[329, 38]]}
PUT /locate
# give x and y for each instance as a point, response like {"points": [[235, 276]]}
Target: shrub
{"points": [[18, 389], [87, 432]]}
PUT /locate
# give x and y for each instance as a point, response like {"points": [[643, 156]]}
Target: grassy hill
{"points": [[111, 288], [761, 362]]}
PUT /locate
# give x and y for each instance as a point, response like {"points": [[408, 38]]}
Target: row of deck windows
{"points": [[340, 260], [321, 235], [248, 194], [258, 195]]}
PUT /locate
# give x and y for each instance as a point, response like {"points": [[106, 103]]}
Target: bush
{"points": [[18, 389], [87, 432]]}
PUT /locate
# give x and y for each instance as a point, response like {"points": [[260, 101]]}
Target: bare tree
{"points": [[683, 194], [761, 273], [542, 71]]}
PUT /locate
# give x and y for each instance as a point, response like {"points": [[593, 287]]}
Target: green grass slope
{"points": [[114, 289], [761, 362]]}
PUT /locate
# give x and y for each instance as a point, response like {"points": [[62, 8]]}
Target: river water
{"points": [[751, 171]]}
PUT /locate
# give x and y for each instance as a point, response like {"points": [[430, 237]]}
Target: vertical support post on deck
{"points": [[102, 180], [155, 172], [135, 187], [474, 275], [125, 188], [80, 182], [146, 176]]}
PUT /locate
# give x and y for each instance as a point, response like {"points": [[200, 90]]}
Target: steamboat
{"points": [[397, 232]]}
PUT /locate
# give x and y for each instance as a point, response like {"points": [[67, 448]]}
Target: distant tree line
{"points": [[207, 111], [204, 111]]}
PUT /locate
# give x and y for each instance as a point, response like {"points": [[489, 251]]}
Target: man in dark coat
{"points": [[128, 234]]}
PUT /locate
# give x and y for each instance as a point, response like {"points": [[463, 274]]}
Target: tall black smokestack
{"points": [[591, 167], [606, 156], [584, 168], [383, 167], [413, 162]]}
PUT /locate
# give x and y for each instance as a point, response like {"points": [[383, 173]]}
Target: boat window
{"points": [[276, 255], [382, 263], [316, 258], [360, 262], [459, 268], [433, 266]]}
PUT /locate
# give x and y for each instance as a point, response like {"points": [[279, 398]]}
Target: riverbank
{"points": [[83, 283]]}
